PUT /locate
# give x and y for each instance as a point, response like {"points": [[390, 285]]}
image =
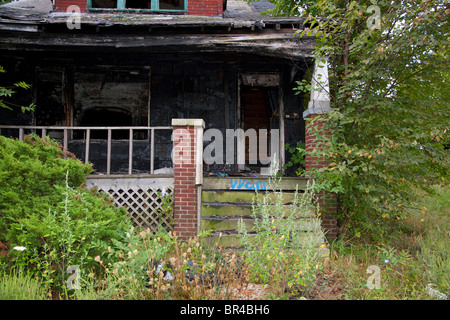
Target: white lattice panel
{"points": [[141, 197]]}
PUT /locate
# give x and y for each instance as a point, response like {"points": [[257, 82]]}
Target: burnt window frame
{"points": [[121, 6], [138, 134]]}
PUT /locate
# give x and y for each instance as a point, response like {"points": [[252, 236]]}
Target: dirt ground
{"points": [[328, 286]]}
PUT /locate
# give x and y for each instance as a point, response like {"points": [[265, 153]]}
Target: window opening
{"points": [[153, 5], [171, 4], [138, 4], [107, 117], [107, 4]]}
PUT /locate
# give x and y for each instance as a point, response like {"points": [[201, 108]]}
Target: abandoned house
{"points": [[113, 79]]}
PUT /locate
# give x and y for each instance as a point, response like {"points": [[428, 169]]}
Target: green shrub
{"points": [[46, 209], [29, 172], [297, 158]]}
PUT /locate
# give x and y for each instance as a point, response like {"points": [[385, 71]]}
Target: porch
{"points": [[109, 93], [125, 170]]}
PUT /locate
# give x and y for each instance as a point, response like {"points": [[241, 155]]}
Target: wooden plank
{"points": [[17, 27], [214, 224], [129, 182], [228, 197], [252, 183], [235, 210], [243, 197], [282, 151], [108, 154], [226, 210], [152, 150], [262, 44], [220, 224], [199, 155], [130, 152], [234, 241], [65, 141], [88, 140]]}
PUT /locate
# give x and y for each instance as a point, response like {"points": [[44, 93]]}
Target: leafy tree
{"points": [[389, 89]]}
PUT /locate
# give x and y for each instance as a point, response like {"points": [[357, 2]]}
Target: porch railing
{"points": [[67, 135]]}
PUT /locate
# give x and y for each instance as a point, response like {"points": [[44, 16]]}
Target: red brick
{"points": [[326, 201], [194, 7], [185, 194], [61, 5]]}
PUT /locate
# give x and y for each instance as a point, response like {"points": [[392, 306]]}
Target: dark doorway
{"points": [[258, 110]]}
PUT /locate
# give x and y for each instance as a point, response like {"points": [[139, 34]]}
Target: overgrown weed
{"points": [[412, 260], [284, 248], [159, 266]]}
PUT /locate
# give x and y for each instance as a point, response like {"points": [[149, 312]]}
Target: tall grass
{"points": [[433, 243], [414, 258], [16, 285]]}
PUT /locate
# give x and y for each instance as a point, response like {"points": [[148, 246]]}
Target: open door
{"points": [[257, 115]]}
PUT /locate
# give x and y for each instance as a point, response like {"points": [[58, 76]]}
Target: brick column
{"points": [[187, 164], [320, 104], [327, 201]]}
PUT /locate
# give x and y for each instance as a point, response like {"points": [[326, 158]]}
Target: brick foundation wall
{"points": [[327, 201], [194, 7]]}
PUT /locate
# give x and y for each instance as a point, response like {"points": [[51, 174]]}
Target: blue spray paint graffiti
{"points": [[243, 184]]}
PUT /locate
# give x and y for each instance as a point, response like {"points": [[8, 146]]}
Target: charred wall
{"points": [[101, 88]]}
